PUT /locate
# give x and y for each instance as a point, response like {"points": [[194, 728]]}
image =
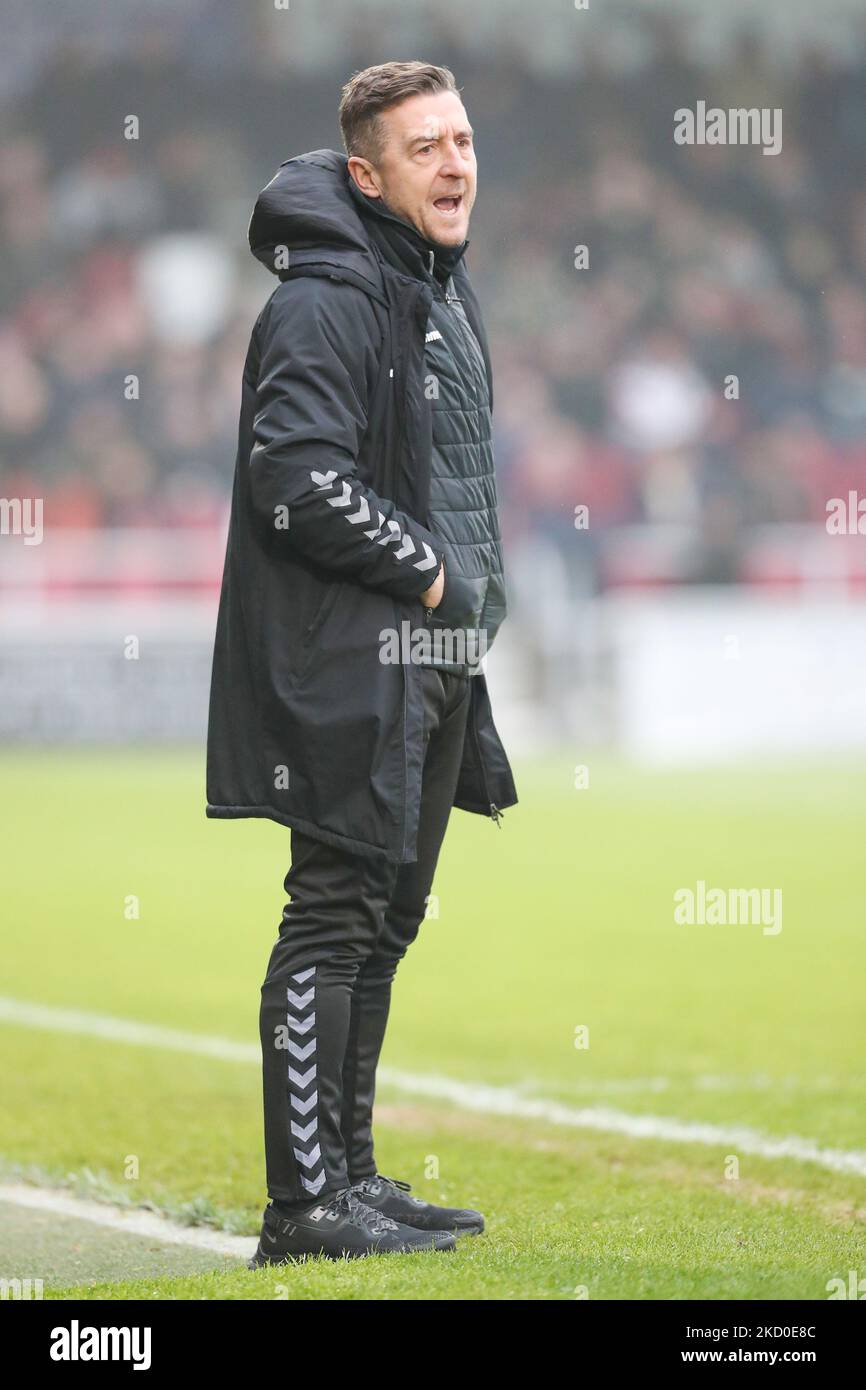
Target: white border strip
{"points": [[475, 1097], [133, 1222]]}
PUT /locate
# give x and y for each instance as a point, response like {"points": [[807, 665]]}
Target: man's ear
{"points": [[365, 176]]}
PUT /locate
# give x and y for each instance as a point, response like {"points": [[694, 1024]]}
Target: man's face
{"points": [[426, 172]]}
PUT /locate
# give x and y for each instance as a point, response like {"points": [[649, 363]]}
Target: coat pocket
{"points": [[307, 644]]}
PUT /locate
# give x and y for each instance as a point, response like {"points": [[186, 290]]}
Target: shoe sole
{"points": [[262, 1261], [469, 1228]]}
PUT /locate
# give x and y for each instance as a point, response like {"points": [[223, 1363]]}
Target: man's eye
{"points": [[425, 148]]}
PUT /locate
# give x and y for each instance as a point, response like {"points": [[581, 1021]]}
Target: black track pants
{"points": [[327, 991]]}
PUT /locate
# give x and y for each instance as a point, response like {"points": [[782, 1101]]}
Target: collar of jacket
{"points": [[402, 244]]}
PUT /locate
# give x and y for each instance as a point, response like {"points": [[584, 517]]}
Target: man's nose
{"points": [[452, 164]]}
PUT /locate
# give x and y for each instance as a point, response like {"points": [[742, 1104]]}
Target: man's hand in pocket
{"points": [[432, 597]]}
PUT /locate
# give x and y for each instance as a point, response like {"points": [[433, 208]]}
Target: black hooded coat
{"points": [[329, 543]]}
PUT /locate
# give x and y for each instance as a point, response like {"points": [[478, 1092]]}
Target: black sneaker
{"points": [[392, 1198], [342, 1226]]}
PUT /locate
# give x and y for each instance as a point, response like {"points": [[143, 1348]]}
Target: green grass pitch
{"points": [[563, 920]]}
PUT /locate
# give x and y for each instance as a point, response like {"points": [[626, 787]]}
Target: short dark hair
{"points": [[370, 92]]}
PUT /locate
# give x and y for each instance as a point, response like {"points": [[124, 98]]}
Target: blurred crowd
{"points": [[698, 372]]}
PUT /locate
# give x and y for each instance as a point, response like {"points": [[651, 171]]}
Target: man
{"points": [[363, 513]]}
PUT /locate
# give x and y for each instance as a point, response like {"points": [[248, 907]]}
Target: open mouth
{"points": [[450, 206]]}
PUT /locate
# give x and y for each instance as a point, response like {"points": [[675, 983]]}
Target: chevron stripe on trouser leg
{"points": [[328, 930], [301, 1078]]}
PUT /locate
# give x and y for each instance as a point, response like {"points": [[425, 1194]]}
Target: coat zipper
{"points": [[494, 811], [400, 386]]}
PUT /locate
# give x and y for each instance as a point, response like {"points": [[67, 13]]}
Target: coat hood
{"points": [[312, 212]]}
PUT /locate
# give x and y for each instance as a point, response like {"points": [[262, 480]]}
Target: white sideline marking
{"points": [[125, 1030], [133, 1222], [505, 1100], [474, 1096], [710, 1081]]}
